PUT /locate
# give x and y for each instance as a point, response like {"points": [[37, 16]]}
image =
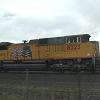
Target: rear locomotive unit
{"points": [[67, 53]]}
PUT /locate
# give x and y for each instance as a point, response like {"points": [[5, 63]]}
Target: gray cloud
{"points": [[6, 15], [66, 17], [90, 10]]}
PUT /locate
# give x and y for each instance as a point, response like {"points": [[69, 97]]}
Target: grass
{"points": [[18, 92], [12, 97]]}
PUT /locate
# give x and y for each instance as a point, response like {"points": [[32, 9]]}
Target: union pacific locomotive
{"points": [[67, 53]]}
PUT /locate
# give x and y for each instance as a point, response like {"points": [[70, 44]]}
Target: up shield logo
{"points": [[24, 51]]}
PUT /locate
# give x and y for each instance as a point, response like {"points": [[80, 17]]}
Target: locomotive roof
{"points": [[87, 35], [59, 40], [78, 35], [5, 43], [70, 36]]}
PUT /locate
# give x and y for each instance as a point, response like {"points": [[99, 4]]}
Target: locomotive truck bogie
{"points": [[85, 64]]}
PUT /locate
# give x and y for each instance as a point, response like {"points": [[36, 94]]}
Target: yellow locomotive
{"points": [[69, 53]]}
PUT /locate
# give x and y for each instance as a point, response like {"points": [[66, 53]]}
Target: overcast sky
{"points": [[29, 19]]}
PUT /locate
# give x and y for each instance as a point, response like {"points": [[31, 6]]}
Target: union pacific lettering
{"points": [[73, 47]]}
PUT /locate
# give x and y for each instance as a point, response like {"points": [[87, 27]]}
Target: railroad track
{"points": [[50, 72], [45, 74]]}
